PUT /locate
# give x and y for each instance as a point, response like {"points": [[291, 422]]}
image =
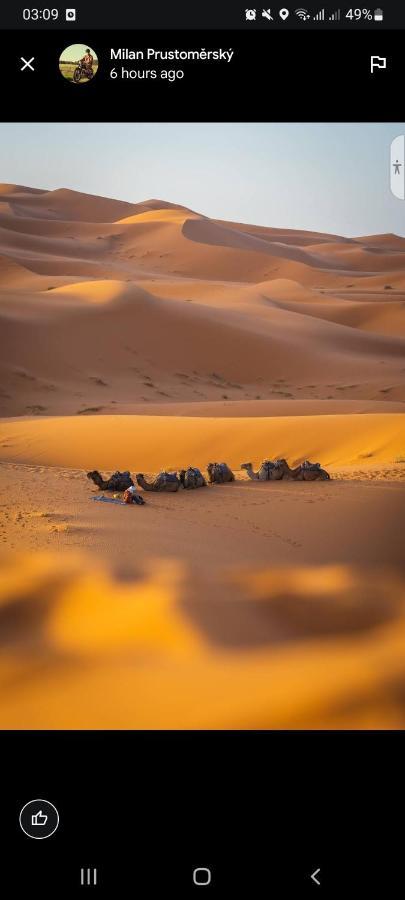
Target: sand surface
{"points": [[145, 336]]}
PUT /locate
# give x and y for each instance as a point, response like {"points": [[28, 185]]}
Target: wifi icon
{"points": [[302, 14]]}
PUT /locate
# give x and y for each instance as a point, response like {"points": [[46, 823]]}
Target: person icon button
{"points": [[397, 167], [39, 819]]}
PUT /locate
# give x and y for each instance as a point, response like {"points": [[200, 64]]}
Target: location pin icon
{"points": [[284, 13]]}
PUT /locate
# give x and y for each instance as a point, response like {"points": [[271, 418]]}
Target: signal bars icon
{"points": [[320, 16], [335, 17]]}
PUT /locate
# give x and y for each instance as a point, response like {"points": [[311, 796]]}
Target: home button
{"points": [[202, 877]]}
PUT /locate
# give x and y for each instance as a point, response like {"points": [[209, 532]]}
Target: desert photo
{"points": [[214, 318]]}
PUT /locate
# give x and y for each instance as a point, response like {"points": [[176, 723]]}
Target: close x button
{"points": [[27, 64]]}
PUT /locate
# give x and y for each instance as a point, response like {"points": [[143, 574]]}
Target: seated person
{"points": [[87, 60]]}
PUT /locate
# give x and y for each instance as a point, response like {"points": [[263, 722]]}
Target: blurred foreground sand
{"points": [[319, 647]]}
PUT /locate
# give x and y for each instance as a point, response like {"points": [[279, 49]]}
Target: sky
{"points": [[75, 52], [329, 178]]}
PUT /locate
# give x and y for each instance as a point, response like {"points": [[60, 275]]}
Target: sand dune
{"points": [[64, 204], [15, 190], [183, 350], [16, 276], [178, 215], [361, 257], [387, 241], [149, 443], [380, 318]]}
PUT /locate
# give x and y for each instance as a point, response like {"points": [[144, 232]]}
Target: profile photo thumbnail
{"points": [[78, 63]]}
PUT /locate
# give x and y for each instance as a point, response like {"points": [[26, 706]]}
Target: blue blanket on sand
{"points": [[139, 501], [109, 500]]}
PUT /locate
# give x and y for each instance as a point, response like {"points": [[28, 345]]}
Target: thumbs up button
{"points": [[39, 819]]}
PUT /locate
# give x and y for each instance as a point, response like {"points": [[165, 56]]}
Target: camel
{"points": [[306, 471], [192, 478], [219, 473], [119, 481], [282, 470], [165, 481], [269, 471]]}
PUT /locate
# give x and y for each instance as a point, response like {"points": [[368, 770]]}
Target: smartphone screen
{"points": [[202, 449]]}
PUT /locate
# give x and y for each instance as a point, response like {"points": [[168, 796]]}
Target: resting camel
{"points": [[192, 478], [306, 471], [165, 481], [269, 471], [219, 473], [275, 471], [119, 481]]}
